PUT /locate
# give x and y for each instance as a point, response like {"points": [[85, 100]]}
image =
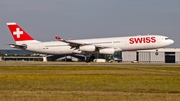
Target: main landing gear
{"points": [[90, 58]]}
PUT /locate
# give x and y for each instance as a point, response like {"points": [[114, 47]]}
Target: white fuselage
{"points": [[118, 43]]}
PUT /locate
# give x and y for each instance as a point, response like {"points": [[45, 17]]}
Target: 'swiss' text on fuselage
{"points": [[142, 40]]}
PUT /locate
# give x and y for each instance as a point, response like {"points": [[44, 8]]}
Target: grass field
{"points": [[28, 81]]}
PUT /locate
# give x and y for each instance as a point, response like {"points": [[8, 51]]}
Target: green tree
{"points": [[1, 54]]}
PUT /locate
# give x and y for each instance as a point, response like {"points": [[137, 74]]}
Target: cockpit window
{"points": [[167, 38]]}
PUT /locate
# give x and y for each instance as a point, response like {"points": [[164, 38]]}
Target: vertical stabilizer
{"points": [[19, 35]]}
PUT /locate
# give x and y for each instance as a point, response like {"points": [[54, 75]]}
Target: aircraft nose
{"points": [[172, 41]]}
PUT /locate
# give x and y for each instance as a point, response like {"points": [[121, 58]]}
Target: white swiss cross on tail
{"points": [[17, 32]]}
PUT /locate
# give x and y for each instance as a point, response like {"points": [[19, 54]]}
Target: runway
{"points": [[34, 63]]}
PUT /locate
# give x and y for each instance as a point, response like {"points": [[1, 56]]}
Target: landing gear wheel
{"points": [[156, 52]]}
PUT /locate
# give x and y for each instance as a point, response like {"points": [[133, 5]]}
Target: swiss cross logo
{"points": [[17, 33]]}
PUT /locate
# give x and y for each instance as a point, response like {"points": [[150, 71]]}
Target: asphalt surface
{"points": [[30, 63]]}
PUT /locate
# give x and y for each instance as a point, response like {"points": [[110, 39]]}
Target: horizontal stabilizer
{"points": [[24, 46]]}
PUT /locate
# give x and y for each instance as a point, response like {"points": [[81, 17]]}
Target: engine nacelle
{"points": [[106, 51], [87, 48]]}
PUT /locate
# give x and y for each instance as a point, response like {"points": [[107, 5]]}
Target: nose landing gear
{"points": [[156, 53]]}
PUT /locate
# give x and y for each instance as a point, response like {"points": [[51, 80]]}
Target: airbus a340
{"points": [[86, 46]]}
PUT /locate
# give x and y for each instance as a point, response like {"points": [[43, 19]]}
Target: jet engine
{"points": [[106, 51], [87, 48]]}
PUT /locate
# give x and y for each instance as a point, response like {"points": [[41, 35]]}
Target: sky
{"points": [[78, 19]]}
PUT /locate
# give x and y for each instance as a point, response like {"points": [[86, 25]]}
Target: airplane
{"points": [[85, 46]]}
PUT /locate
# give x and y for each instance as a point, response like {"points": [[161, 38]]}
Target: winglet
{"points": [[70, 39], [58, 38]]}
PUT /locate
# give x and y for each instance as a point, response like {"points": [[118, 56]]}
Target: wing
{"points": [[77, 44], [90, 48]]}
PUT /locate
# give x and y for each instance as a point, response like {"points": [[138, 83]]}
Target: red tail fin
{"points": [[18, 33]]}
